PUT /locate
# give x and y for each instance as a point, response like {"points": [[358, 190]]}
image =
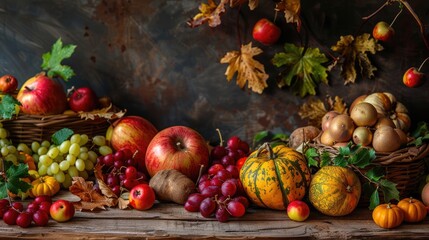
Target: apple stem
{"points": [[419, 22], [423, 63], [388, 2], [397, 15]]}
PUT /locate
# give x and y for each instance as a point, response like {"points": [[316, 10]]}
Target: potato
{"points": [[303, 134], [172, 186]]}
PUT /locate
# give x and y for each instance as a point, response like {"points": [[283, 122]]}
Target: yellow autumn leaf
{"points": [[253, 4], [314, 109], [291, 10], [248, 69], [354, 53], [210, 13], [107, 113]]}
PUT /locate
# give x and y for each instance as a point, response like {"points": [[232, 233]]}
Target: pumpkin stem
{"points": [[267, 147], [349, 188], [388, 205]]}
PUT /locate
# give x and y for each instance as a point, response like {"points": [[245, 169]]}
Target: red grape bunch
{"points": [[220, 192], [120, 171], [37, 211]]}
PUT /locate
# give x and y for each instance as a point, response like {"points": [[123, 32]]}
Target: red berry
{"points": [[41, 218], [131, 172], [24, 219], [10, 216]]}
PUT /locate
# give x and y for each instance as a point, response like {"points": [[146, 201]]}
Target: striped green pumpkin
{"points": [[273, 177]]}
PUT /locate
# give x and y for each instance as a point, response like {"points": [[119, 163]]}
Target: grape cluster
{"points": [[120, 171], [220, 192], [37, 211]]}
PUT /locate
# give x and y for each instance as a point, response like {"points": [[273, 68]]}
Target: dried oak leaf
{"points": [[304, 69], [354, 52], [209, 13], [314, 109], [248, 69], [291, 9], [107, 113], [90, 199]]}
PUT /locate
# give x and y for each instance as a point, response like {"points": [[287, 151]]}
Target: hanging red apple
{"points": [[383, 31], [266, 32]]}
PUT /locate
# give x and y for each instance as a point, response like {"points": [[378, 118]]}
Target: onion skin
{"points": [[386, 139]]}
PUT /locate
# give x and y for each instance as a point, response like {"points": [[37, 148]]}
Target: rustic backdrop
{"points": [[144, 56]]}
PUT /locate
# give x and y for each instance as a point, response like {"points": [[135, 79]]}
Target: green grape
{"points": [[12, 149], [45, 160], [4, 142], [89, 165], [45, 143], [12, 158], [83, 149], [83, 155], [55, 168], [39, 165], [83, 139], [53, 152], [42, 170], [65, 146], [1, 124], [48, 171], [80, 164], [59, 158], [74, 149], [35, 146], [60, 177], [75, 138], [36, 157], [64, 165], [99, 140], [3, 133], [84, 174], [73, 172], [67, 180], [42, 150], [22, 147], [71, 159], [104, 150], [92, 156], [4, 151]]}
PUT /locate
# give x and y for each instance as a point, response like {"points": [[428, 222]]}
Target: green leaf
{"points": [[363, 157], [389, 190], [340, 161], [7, 107], [61, 135], [13, 182], [375, 174], [374, 200], [325, 159], [280, 137], [3, 189], [52, 61], [260, 137], [311, 155], [303, 69]]}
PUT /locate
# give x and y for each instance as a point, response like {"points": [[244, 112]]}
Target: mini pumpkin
{"points": [[388, 215], [414, 210], [46, 185], [273, 177], [335, 190]]}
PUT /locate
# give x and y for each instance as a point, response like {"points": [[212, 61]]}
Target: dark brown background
{"points": [[143, 55]]}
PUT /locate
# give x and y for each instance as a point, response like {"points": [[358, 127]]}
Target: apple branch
{"points": [[419, 22]]}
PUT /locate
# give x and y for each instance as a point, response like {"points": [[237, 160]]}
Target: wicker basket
{"points": [[405, 167], [28, 128]]}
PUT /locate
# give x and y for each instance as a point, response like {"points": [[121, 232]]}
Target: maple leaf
{"points": [[253, 4], [314, 109], [90, 198], [291, 9], [354, 52], [52, 60], [304, 70], [248, 69], [107, 113], [209, 13]]}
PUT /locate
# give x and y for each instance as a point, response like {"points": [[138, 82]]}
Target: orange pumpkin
{"points": [[46, 185], [388, 215], [335, 190], [414, 210]]}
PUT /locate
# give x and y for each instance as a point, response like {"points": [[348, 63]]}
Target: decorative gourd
{"points": [[46, 185], [414, 210], [386, 105], [388, 215], [273, 177], [335, 190]]}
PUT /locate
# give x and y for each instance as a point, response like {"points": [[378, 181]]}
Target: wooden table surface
{"points": [[171, 221]]}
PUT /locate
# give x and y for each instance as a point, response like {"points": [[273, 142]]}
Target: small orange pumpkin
{"points": [[388, 215], [46, 185], [414, 210]]}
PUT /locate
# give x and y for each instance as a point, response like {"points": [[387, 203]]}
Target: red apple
{"points": [[266, 32], [142, 197], [133, 133], [383, 31], [41, 95], [83, 99], [62, 210], [180, 148], [298, 211], [8, 83], [413, 77]]}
